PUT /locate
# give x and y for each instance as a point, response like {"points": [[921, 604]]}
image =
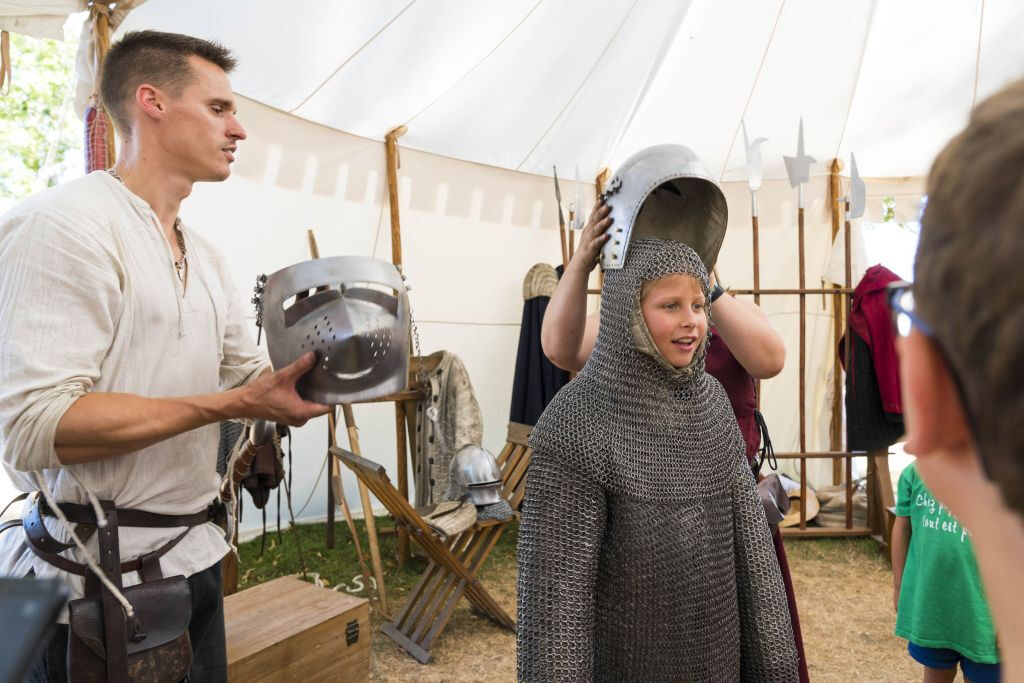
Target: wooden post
{"points": [[371, 523], [803, 360], [393, 163], [836, 424], [403, 478], [757, 273], [101, 26], [391, 148]]}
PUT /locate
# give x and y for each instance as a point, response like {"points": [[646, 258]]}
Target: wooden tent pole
{"points": [[393, 162], [835, 194], [101, 25], [848, 273]]}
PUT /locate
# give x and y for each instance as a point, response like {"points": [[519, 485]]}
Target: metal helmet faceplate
{"points": [[476, 471], [664, 191], [353, 311]]}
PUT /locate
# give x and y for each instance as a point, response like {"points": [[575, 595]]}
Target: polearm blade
{"points": [[798, 168], [561, 221], [858, 191], [754, 166]]}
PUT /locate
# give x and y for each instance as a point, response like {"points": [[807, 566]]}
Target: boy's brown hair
{"points": [[969, 277], [160, 59]]}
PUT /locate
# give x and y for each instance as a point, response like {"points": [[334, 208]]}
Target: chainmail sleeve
{"points": [[768, 652], [560, 535]]}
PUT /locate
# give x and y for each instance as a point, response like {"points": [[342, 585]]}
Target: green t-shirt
{"points": [[942, 603]]}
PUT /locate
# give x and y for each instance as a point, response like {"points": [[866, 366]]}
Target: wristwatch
{"points": [[716, 292]]}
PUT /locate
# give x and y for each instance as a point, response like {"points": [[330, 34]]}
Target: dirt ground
{"points": [[844, 595]]}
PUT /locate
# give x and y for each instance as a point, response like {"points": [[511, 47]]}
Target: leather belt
{"points": [[46, 547]]}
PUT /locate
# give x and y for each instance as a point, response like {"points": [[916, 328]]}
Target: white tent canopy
{"points": [[495, 94], [527, 84]]}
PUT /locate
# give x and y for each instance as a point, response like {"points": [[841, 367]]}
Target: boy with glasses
{"points": [[962, 350]]}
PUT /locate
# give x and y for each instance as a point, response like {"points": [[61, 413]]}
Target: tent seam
{"points": [[352, 56], [753, 87], [646, 87], [477, 65], [576, 92], [856, 80], [977, 56]]}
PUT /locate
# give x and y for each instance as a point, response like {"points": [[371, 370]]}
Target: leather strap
{"points": [[20, 496], [84, 514], [115, 627], [143, 564], [9, 524]]}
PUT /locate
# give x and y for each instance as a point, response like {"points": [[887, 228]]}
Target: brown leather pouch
{"points": [[159, 649]]}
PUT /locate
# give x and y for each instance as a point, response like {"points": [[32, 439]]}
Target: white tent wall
{"points": [[469, 234]]}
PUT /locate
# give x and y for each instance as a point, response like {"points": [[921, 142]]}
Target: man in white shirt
{"points": [[124, 339]]}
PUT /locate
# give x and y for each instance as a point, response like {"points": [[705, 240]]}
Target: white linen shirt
{"points": [[90, 301]]}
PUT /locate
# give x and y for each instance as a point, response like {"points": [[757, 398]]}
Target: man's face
{"points": [[203, 132], [674, 310]]}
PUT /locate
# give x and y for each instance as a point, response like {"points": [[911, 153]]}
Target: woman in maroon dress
{"points": [[744, 346]]}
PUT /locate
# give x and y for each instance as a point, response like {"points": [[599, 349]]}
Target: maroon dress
{"points": [[739, 386]]}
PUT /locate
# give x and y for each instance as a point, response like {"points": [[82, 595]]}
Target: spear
{"points": [[798, 168], [755, 176], [561, 222]]}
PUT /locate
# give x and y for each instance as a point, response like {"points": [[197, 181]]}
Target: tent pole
{"points": [[393, 162], [835, 194]]}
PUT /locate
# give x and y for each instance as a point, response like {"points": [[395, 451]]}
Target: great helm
{"points": [[476, 472], [353, 311], [664, 191]]}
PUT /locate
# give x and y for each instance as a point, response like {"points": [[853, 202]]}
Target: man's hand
{"points": [[592, 238], [272, 396]]}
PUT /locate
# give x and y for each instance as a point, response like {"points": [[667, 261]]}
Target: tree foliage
{"points": [[40, 135]]}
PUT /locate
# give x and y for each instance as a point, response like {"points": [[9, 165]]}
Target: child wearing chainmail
{"points": [[644, 552]]}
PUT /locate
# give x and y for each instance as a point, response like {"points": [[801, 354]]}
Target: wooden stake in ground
{"points": [[339, 493]]}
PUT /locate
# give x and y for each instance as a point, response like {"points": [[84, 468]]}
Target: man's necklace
{"points": [[180, 266]]}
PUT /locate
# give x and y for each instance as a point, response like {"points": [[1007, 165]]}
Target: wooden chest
{"points": [[288, 630]]}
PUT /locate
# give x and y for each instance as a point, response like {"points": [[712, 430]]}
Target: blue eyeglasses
{"points": [[901, 303]]}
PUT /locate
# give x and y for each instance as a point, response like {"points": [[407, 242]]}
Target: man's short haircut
{"points": [[160, 59], [969, 277]]}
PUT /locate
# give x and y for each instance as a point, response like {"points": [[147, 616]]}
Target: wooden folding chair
{"points": [[454, 562]]}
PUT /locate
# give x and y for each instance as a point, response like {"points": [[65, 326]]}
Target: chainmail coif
{"points": [[644, 553]]}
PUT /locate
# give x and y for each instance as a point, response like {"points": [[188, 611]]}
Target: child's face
{"points": [[674, 310]]}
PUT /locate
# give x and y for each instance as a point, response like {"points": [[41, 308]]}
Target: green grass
{"points": [[835, 550], [340, 564]]}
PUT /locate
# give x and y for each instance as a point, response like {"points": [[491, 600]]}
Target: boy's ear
{"points": [[932, 410]]}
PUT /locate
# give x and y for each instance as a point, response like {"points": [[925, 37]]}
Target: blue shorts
{"points": [[942, 658]]}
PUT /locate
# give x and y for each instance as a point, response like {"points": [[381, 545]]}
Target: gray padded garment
{"points": [[644, 553]]}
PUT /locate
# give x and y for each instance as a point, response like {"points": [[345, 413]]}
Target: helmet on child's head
{"points": [[665, 192]]}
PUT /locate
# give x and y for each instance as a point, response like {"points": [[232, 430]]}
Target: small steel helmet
{"points": [[476, 472]]}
